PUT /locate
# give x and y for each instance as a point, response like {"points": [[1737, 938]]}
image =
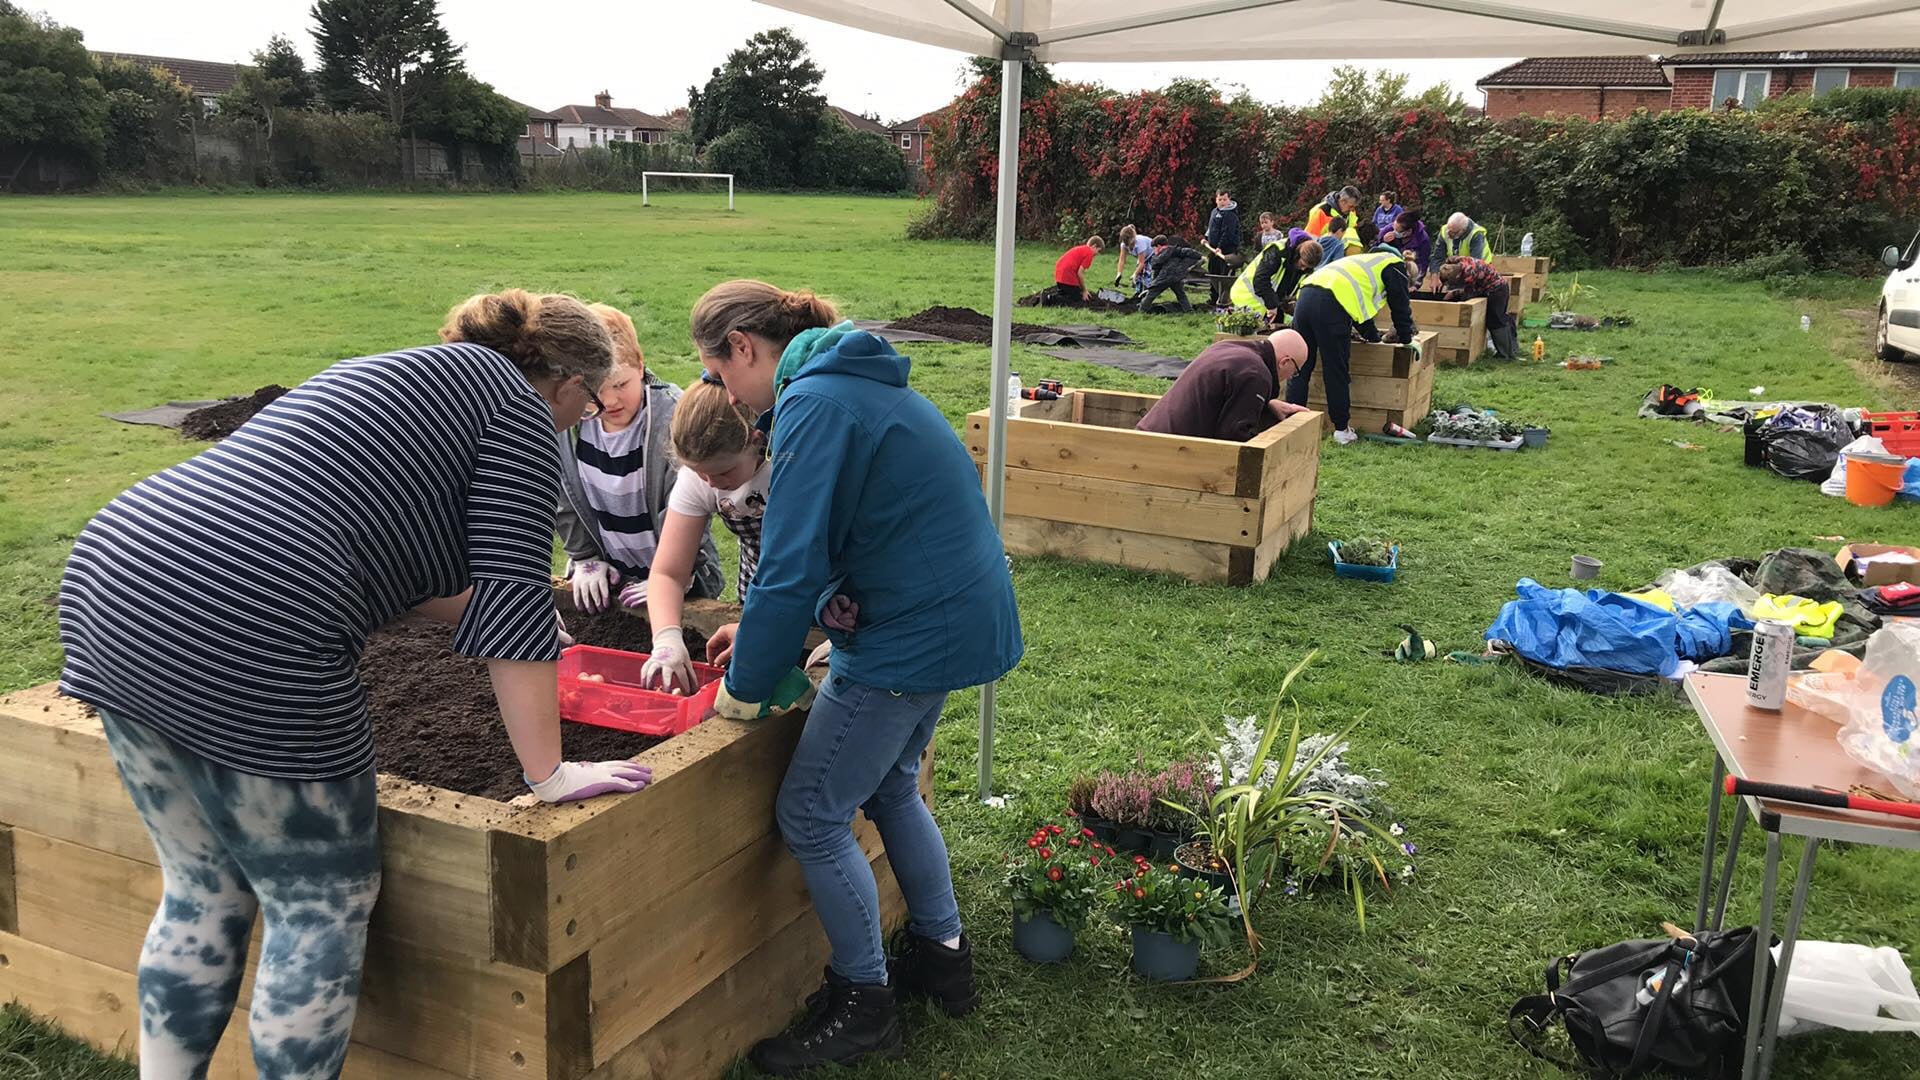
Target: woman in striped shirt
{"points": [[214, 615]]}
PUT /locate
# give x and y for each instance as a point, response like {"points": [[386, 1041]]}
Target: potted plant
{"points": [[1169, 917], [1240, 322], [1184, 783], [1125, 800], [1054, 882], [1365, 559], [1197, 859], [1465, 425], [1534, 436], [1354, 847], [1080, 799]]}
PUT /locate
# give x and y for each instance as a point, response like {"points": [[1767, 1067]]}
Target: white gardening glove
{"points": [[821, 656], [1415, 346], [593, 583], [575, 780], [669, 667], [634, 594]]}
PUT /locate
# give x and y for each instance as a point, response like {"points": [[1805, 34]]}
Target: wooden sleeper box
{"points": [[1385, 385], [1516, 294], [1459, 329], [1081, 483], [1534, 268], [658, 934]]}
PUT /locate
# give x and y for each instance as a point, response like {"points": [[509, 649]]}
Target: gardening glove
{"points": [[840, 613], [634, 594], [560, 628], [820, 656], [575, 780], [793, 691], [668, 666], [593, 582], [1417, 351]]}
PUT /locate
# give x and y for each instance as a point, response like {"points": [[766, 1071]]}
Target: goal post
{"points": [[727, 176]]}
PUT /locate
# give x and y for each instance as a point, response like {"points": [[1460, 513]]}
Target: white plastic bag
{"points": [[1836, 985], [1712, 584], [1836, 482], [1883, 730]]}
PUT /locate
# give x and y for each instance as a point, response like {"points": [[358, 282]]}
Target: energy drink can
{"points": [[1767, 667]]}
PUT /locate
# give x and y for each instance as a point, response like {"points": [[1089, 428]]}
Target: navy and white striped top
{"points": [[225, 601]]}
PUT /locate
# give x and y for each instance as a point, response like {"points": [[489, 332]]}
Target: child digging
{"points": [[616, 470]]}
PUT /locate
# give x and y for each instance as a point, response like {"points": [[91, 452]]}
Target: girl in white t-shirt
{"points": [[723, 471]]}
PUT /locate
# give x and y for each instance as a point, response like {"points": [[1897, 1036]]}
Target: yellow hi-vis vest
{"points": [[1449, 247], [1243, 294], [1359, 282]]}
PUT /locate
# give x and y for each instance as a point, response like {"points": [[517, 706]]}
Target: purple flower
{"points": [[1409, 849]]}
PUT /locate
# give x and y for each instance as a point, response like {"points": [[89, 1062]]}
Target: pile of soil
{"points": [[1115, 307], [435, 720], [219, 421], [962, 324]]}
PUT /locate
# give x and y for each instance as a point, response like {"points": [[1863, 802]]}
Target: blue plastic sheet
{"points": [[1568, 628], [1910, 480]]}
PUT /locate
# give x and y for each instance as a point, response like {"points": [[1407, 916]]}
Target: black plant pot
{"points": [[1129, 838], [1041, 939], [1159, 957], [1103, 830], [1164, 844], [1183, 856]]}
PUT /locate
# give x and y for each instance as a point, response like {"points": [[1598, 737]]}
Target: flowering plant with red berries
{"points": [[1059, 869], [1155, 897]]}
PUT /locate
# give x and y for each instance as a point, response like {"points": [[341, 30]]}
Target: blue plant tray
{"points": [[1361, 572]]}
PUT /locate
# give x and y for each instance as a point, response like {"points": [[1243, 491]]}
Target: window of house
{"points": [[1827, 80], [1748, 86], [1906, 79], [906, 142], [593, 136], [646, 137], [529, 129], [550, 129]]}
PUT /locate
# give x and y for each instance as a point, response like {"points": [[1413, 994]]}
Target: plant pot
{"points": [[1362, 571], [1041, 938], [1159, 957], [1163, 844], [1193, 864], [1131, 839], [1586, 567], [1535, 437]]}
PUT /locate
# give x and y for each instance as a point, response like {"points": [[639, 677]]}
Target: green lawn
{"points": [[1548, 820]]}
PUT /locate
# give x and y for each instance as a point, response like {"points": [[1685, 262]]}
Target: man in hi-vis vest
{"points": [[1337, 301]]}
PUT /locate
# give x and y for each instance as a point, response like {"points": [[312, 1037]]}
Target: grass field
{"points": [[1548, 820]]}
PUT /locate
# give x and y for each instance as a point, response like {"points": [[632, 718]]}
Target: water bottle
{"points": [[1806, 324], [1013, 392], [1526, 246]]}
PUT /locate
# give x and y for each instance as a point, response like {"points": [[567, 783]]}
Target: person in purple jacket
{"points": [[1409, 234]]}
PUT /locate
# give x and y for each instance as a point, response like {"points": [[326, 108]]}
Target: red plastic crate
{"points": [[1899, 430], [620, 702]]}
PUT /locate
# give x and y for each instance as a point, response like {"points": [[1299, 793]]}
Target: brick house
{"points": [[582, 126], [206, 79], [1590, 87], [912, 134], [862, 124], [1707, 81], [541, 138]]}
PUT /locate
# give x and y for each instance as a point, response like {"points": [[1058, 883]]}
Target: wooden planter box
{"points": [[657, 934], [1081, 483], [1459, 329], [1386, 384], [1516, 294], [1532, 267]]}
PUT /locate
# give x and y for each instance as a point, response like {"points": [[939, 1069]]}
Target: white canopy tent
{"points": [[1018, 31]]}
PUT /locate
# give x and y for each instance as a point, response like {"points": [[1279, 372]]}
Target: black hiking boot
{"points": [[929, 969], [845, 1022]]}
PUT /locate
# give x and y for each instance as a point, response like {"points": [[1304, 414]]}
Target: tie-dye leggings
{"points": [[304, 854]]}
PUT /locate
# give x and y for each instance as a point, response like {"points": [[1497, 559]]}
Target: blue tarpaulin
{"points": [[1569, 628]]}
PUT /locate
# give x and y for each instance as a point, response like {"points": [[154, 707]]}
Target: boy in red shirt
{"points": [[1069, 274]]}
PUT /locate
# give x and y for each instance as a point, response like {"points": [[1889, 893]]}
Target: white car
{"points": [[1898, 336]]}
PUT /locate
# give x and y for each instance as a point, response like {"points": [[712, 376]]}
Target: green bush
{"points": [[742, 152]]}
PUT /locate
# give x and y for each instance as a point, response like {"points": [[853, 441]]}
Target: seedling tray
{"points": [[1361, 571], [602, 687], [1491, 444]]}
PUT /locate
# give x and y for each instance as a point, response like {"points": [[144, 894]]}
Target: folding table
{"points": [[1796, 747]]}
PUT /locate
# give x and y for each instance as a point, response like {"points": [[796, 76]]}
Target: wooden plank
{"points": [[1380, 360], [89, 903], [1363, 392], [63, 783], [1142, 457], [9, 888], [1117, 504], [1277, 542], [1190, 559], [1060, 408], [1113, 408], [1455, 357], [93, 1003], [757, 997], [433, 884], [1295, 453], [1284, 503]]}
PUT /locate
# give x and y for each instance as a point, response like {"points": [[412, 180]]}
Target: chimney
{"points": [[603, 99]]}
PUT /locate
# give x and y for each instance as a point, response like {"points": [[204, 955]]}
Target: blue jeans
{"points": [[861, 750], [305, 855]]}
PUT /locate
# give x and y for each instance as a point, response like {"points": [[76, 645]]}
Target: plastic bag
{"points": [[1566, 628], [1804, 443], [1836, 985], [1836, 482], [1880, 728], [1710, 584]]}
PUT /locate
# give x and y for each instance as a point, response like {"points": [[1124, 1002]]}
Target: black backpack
{"points": [[1675, 1005]]}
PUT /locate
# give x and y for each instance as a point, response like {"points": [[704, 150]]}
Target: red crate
{"points": [[617, 700], [1899, 430]]}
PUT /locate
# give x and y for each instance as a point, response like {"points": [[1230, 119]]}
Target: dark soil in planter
{"points": [[435, 720], [219, 421], [962, 324]]}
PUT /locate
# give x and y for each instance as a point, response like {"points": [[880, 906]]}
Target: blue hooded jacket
{"points": [[874, 496]]}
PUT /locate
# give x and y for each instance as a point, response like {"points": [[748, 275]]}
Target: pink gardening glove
{"points": [[576, 780], [840, 613]]}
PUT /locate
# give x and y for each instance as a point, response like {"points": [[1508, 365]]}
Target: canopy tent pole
{"points": [[1011, 69]]}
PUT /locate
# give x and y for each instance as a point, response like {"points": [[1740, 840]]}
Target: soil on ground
{"points": [[1115, 307], [219, 421], [435, 720], [962, 324]]}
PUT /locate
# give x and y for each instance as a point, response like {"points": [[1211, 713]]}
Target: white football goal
{"points": [[645, 177]]}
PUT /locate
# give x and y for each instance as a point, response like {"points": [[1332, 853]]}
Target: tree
{"points": [[1354, 91], [384, 54], [771, 85], [50, 98], [286, 72], [148, 109], [1035, 78], [460, 110]]}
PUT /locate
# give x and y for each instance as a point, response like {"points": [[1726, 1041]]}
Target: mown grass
{"points": [[1548, 820]]}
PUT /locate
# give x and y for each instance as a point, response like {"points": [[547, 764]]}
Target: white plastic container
{"points": [[1013, 392]]}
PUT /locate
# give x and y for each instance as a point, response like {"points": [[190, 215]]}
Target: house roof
{"points": [[1797, 59], [923, 122], [533, 113], [857, 122], [207, 78], [597, 116], [1607, 71]]}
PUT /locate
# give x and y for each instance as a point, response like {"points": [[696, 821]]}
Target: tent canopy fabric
{"points": [[1173, 30]]}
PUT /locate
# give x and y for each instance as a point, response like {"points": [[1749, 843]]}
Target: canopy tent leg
{"points": [[1003, 229]]}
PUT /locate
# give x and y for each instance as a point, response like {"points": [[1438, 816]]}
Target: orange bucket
{"points": [[1873, 483]]}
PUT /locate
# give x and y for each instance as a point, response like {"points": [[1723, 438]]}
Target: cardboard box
{"points": [[1878, 573]]}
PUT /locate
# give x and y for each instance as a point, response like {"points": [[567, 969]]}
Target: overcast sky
{"points": [[559, 52]]}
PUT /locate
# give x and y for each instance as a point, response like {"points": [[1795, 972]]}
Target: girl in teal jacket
{"points": [[874, 498]]}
